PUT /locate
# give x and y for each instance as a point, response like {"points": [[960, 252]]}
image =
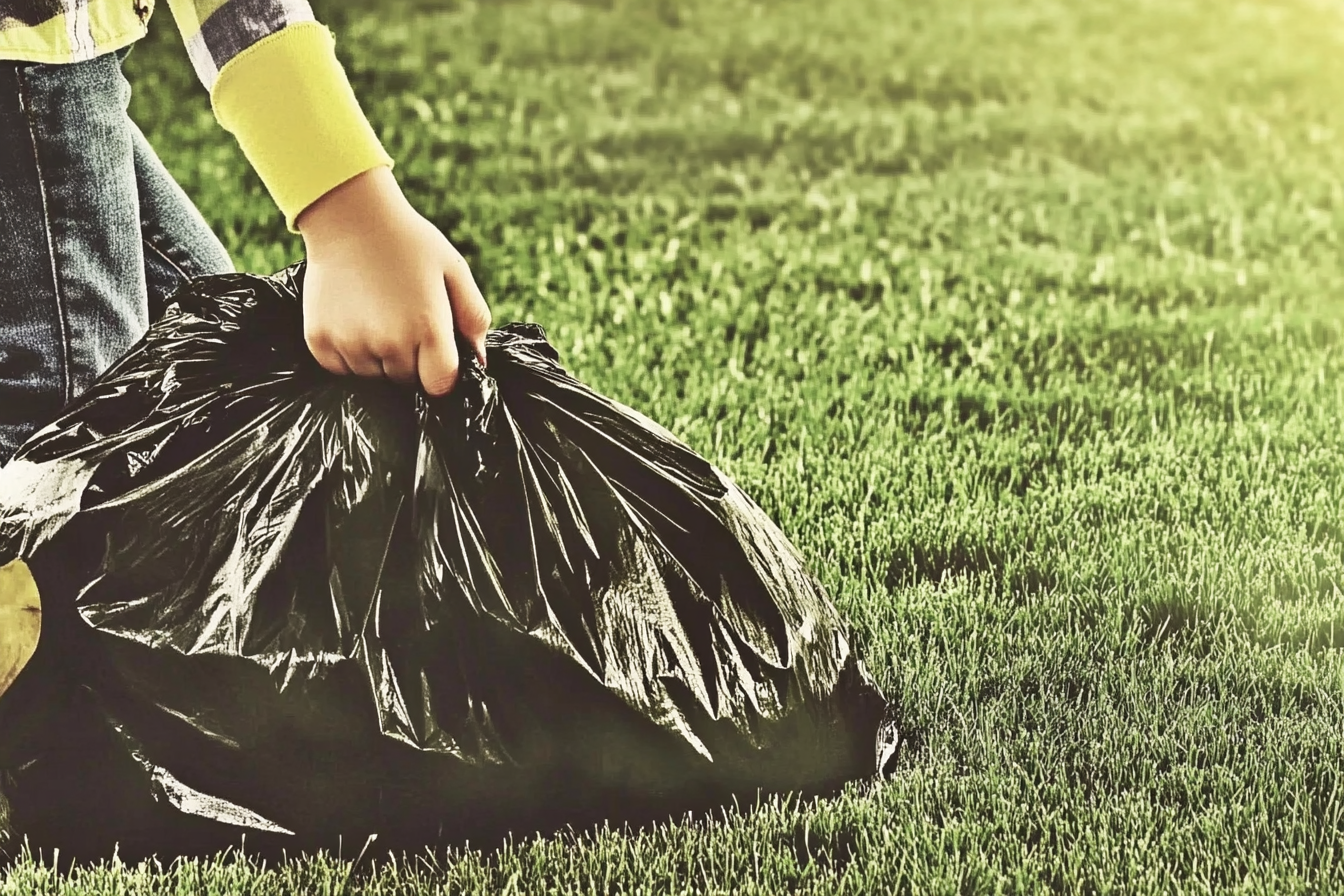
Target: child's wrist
{"points": [[351, 206]]}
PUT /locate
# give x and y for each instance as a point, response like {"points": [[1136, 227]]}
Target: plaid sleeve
{"points": [[217, 31], [276, 85]]}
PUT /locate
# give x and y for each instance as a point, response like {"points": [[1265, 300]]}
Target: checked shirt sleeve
{"points": [[276, 85]]}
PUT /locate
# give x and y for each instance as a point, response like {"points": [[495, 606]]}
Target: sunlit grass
{"points": [[1022, 318]]}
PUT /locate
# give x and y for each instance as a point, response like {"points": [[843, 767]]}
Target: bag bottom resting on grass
{"points": [[302, 606]]}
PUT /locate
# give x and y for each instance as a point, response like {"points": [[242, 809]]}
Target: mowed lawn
{"points": [[1023, 318]]}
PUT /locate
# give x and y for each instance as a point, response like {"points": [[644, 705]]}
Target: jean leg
{"points": [[78, 182], [178, 244], [73, 297]]}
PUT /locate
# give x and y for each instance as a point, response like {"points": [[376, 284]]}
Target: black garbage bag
{"points": [[304, 607]]}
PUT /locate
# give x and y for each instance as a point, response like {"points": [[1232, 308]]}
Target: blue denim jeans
{"points": [[94, 232]]}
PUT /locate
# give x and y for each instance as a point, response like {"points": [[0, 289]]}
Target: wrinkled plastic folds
{"points": [[304, 606]]}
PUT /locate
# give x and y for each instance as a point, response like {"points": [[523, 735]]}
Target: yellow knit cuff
{"points": [[288, 102]]}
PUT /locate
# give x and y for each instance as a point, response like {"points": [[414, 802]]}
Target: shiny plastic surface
{"points": [[303, 606]]}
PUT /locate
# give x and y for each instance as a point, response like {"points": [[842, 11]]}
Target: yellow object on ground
{"points": [[20, 621]]}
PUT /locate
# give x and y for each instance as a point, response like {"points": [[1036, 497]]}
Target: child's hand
{"points": [[384, 289]]}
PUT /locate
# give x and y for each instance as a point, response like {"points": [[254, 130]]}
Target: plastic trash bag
{"points": [[302, 607]]}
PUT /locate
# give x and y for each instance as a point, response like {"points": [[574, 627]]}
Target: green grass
{"points": [[1024, 318]]}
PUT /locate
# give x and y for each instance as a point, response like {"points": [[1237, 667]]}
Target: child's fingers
{"points": [[362, 362], [401, 366], [471, 315], [326, 355], [436, 359]]}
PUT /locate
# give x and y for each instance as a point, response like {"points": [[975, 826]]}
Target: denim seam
{"points": [[27, 110], [150, 243]]}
